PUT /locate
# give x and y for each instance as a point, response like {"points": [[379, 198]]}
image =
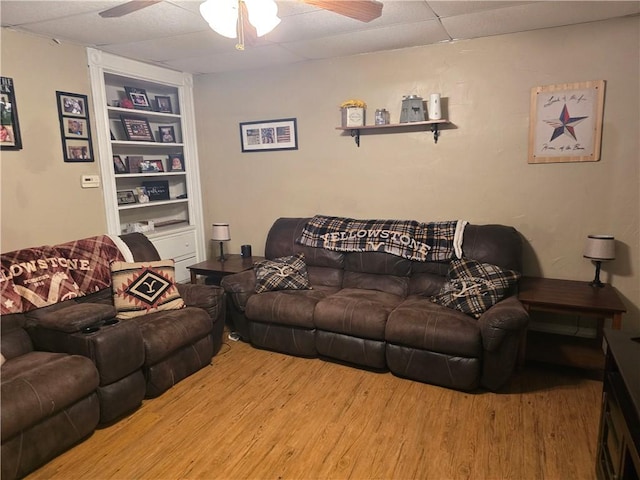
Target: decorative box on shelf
{"points": [[353, 116], [139, 227]]}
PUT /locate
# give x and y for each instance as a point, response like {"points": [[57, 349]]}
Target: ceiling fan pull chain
{"points": [[240, 44]]}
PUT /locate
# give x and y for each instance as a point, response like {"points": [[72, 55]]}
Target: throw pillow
{"points": [[474, 287], [140, 288], [284, 273]]}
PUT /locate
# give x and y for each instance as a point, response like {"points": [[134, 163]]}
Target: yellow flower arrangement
{"points": [[353, 103]]}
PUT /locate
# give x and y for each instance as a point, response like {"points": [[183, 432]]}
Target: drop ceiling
{"points": [[172, 33]]}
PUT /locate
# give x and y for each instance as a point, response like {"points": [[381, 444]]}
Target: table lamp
{"points": [[221, 233], [599, 248]]}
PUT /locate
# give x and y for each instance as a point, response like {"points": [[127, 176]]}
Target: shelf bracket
{"points": [[355, 133], [436, 134]]}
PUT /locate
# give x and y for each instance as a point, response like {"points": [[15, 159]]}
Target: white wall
{"points": [[478, 170]]}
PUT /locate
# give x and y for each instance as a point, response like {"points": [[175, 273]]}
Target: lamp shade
{"points": [[600, 247], [221, 232]]}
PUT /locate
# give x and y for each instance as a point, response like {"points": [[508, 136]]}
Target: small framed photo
{"points": [[118, 165], [72, 105], [126, 197], [176, 162], [133, 163], [138, 97], [137, 129], [76, 127], [143, 196], [266, 135], [167, 134], [9, 129], [78, 151], [164, 104], [151, 166]]}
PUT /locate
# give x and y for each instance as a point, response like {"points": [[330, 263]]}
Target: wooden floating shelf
{"points": [[433, 124]]}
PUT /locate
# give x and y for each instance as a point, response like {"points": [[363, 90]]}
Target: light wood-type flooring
{"points": [[254, 414]]}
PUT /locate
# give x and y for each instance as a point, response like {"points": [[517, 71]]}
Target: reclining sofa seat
{"points": [[374, 310], [49, 400]]}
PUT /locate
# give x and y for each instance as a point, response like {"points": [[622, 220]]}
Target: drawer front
{"points": [[182, 274], [178, 246]]}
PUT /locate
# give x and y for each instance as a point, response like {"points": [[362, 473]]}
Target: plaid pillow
{"points": [[140, 288], [284, 273], [474, 287]]}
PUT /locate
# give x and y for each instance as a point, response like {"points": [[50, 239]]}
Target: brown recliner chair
{"points": [[49, 400]]}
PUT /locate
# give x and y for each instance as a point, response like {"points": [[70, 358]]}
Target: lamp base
{"points": [[596, 283], [222, 257]]}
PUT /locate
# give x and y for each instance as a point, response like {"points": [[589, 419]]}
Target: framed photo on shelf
{"points": [[75, 128], [126, 197], [167, 134], [143, 196], [164, 104], [133, 163], [176, 162], [267, 135], [9, 129], [137, 129], [565, 123], [151, 166], [138, 97], [118, 165]]}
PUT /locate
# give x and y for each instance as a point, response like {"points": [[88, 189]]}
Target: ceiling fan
{"points": [[362, 10]]}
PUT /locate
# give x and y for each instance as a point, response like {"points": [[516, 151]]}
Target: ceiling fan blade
{"points": [[127, 8], [363, 10]]}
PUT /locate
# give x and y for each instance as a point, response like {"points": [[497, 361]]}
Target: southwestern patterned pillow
{"points": [[284, 273], [474, 287], [140, 288]]}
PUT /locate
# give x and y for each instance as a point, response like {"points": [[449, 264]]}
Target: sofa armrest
{"points": [[239, 287], [208, 297], [504, 318]]}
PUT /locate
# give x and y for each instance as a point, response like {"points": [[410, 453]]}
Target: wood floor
{"points": [[254, 414]]}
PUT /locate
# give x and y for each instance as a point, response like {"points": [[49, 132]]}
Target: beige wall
{"points": [[42, 201], [478, 170]]}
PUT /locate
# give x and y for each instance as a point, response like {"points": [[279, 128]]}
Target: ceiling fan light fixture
{"points": [[263, 15], [222, 16]]}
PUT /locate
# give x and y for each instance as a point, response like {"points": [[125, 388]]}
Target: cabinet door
{"points": [[181, 248]]}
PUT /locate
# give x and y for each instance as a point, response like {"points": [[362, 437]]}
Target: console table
{"points": [[215, 270], [574, 298], [619, 434]]}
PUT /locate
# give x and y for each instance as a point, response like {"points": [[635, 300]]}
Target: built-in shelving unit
{"points": [[409, 126], [176, 214]]}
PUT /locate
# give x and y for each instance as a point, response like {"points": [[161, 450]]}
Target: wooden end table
{"points": [[573, 298], [215, 270]]}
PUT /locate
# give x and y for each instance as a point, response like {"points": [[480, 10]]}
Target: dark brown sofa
{"points": [[128, 360], [374, 310]]}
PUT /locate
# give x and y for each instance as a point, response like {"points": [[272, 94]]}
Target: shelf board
{"points": [[149, 174], [155, 203], [130, 143], [115, 112], [395, 125]]}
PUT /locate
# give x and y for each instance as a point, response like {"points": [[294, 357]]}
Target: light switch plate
{"points": [[90, 181]]}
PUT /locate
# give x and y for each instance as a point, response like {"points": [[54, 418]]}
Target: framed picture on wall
{"points": [[267, 135], [75, 127], [565, 122], [9, 128]]}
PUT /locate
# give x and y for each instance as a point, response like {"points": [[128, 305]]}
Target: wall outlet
{"points": [[90, 181]]}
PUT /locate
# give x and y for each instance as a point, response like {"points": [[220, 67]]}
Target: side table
{"points": [[573, 298], [215, 270]]}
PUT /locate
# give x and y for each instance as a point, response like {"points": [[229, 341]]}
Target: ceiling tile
{"points": [[20, 12]]}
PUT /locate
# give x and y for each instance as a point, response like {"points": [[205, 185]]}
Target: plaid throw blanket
{"points": [[433, 241]]}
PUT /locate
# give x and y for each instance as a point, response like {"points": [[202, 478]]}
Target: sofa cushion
{"points": [[140, 288], [419, 323], [284, 273], [473, 287], [164, 332], [287, 307], [38, 384], [356, 312]]}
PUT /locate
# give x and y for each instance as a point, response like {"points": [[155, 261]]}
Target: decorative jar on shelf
{"points": [[353, 113]]}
